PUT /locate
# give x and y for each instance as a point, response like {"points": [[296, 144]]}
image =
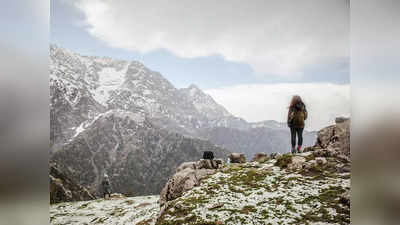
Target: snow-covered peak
{"points": [[194, 90], [204, 103]]}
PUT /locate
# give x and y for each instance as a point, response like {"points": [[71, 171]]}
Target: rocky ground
{"points": [[120, 210], [264, 193], [273, 192], [312, 187]]}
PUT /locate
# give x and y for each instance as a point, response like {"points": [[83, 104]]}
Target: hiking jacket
{"points": [[106, 186], [297, 115]]}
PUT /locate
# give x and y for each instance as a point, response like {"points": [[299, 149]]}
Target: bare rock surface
{"points": [[260, 157], [188, 176], [296, 163], [237, 158], [64, 189], [335, 139]]}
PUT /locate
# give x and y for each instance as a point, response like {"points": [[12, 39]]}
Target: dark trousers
{"points": [[299, 132]]}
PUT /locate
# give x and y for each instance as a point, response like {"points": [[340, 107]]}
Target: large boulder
{"points": [[188, 175], [209, 164], [202, 164], [185, 165], [237, 158], [335, 138], [260, 157]]}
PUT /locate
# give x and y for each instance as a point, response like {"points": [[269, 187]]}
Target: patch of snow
{"points": [[129, 210], [110, 79]]}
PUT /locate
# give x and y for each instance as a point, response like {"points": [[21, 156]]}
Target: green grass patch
{"points": [[284, 161]]}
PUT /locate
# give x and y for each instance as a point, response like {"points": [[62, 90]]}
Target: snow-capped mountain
{"points": [[137, 155], [204, 103], [119, 116], [106, 84]]}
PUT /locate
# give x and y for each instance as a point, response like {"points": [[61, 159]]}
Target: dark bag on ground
{"points": [[208, 155]]}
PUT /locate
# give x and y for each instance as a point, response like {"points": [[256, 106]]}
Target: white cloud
{"points": [[265, 102], [274, 37]]}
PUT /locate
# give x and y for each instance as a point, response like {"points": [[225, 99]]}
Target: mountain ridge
{"points": [[95, 104]]}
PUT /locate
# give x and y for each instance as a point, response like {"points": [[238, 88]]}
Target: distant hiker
{"points": [[106, 186], [296, 116]]}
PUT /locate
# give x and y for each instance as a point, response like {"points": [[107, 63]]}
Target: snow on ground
{"points": [[136, 116], [250, 193], [114, 211], [255, 193]]}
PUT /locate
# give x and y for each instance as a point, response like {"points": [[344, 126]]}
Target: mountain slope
{"points": [[63, 189], [204, 103], [138, 156]]}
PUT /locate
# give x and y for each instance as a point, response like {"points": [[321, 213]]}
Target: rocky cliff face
{"points": [[64, 189]]}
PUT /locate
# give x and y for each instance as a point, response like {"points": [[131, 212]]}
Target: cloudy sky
{"points": [[250, 56]]}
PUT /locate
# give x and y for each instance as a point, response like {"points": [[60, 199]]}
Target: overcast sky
{"points": [[250, 56]]}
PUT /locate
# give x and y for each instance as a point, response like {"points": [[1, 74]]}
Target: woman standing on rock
{"points": [[296, 116]]}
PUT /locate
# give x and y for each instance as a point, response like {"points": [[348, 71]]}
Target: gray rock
{"points": [[260, 157], [185, 165], [275, 155], [181, 182], [297, 163], [321, 161], [237, 158]]}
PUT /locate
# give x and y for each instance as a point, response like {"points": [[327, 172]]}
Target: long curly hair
{"points": [[295, 99]]}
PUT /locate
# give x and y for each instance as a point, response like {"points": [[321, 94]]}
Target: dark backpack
{"points": [[208, 155], [298, 115]]}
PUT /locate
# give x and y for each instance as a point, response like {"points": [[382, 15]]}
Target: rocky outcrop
{"points": [[335, 139], [63, 189], [188, 175], [202, 164], [260, 157], [254, 193], [237, 158], [275, 155], [330, 154], [296, 163], [317, 177]]}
